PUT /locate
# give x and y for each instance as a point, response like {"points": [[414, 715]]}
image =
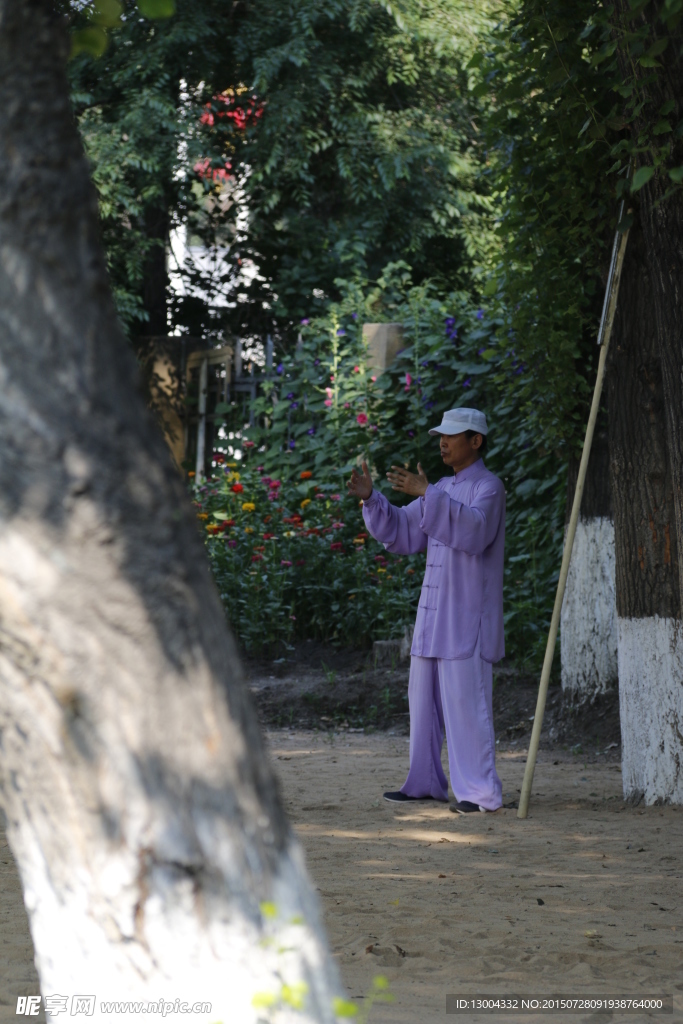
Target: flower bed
{"points": [[293, 561]]}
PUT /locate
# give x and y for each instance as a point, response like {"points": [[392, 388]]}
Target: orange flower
{"points": [[306, 475], [191, 474]]}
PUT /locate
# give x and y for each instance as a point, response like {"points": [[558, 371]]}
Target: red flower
{"points": [[261, 547], [257, 558], [362, 419], [337, 546], [219, 459], [306, 475], [248, 444], [301, 561], [268, 536], [237, 488]]}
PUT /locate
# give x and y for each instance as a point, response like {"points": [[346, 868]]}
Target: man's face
{"points": [[459, 450]]}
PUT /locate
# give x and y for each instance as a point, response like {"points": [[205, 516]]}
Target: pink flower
{"points": [[248, 444], [328, 402], [272, 496], [361, 419], [266, 480], [373, 379], [409, 381], [335, 497], [329, 392], [274, 484], [285, 563], [356, 369], [347, 405]]}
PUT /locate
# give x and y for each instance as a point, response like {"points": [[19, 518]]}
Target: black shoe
{"points": [[467, 807], [400, 798]]}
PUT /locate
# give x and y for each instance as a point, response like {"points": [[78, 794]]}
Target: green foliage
{"points": [[138, 110], [551, 112], [366, 150], [292, 561], [577, 98], [310, 142]]}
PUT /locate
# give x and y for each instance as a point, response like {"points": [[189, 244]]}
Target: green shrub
{"points": [[292, 561]]}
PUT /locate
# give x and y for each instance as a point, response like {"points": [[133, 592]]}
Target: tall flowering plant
{"points": [[292, 560]]}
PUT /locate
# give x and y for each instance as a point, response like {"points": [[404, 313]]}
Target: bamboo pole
{"points": [[604, 335]]}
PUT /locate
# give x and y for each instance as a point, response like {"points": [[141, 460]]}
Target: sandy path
{"points": [[442, 904]]}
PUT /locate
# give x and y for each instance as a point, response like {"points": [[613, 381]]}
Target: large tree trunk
{"points": [[648, 443], [589, 614], [650, 651], [152, 845]]}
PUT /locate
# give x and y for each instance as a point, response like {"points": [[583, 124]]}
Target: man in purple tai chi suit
{"points": [[460, 521]]}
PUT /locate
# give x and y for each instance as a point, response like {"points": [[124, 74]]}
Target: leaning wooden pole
{"points": [[606, 323]]}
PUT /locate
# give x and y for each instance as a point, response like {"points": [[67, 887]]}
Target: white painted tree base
{"points": [[651, 708], [588, 622]]}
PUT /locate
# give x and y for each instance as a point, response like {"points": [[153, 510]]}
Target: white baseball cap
{"points": [[456, 420]]}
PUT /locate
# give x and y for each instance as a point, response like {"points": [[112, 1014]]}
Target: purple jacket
{"points": [[461, 523]]}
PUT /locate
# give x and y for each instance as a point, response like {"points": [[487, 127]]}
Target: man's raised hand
{"points": [[410, 483], [360, 484]]}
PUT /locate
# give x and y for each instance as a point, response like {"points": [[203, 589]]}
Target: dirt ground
{"points": [[585, 897], [317, 687]]}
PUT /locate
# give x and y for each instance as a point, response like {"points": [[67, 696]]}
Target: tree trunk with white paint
{"points": [[646, 395], [589, 616], [154, 852], [648, 606]]}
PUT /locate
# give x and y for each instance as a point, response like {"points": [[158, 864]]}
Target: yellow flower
{"points": [[202, 515], [359, 540], [231, 465], [232, 478], [305, 502], [248, 506], [381, 570], [248, 529]]}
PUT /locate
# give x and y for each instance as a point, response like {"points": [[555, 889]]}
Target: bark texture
{"points": [[596, 501], [647, 546], [642, 481], [141, 808]]}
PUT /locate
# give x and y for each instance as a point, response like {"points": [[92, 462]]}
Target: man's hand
{"points": [[360, 484], [410, 483]]}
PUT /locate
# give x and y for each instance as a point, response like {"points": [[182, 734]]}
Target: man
{"points": [[460, 521]]}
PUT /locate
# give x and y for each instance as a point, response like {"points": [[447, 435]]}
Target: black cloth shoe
{"points": [[467, 807], [400, 798]]}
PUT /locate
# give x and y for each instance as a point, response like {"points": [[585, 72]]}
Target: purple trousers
{"points": [[455, 694]]}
